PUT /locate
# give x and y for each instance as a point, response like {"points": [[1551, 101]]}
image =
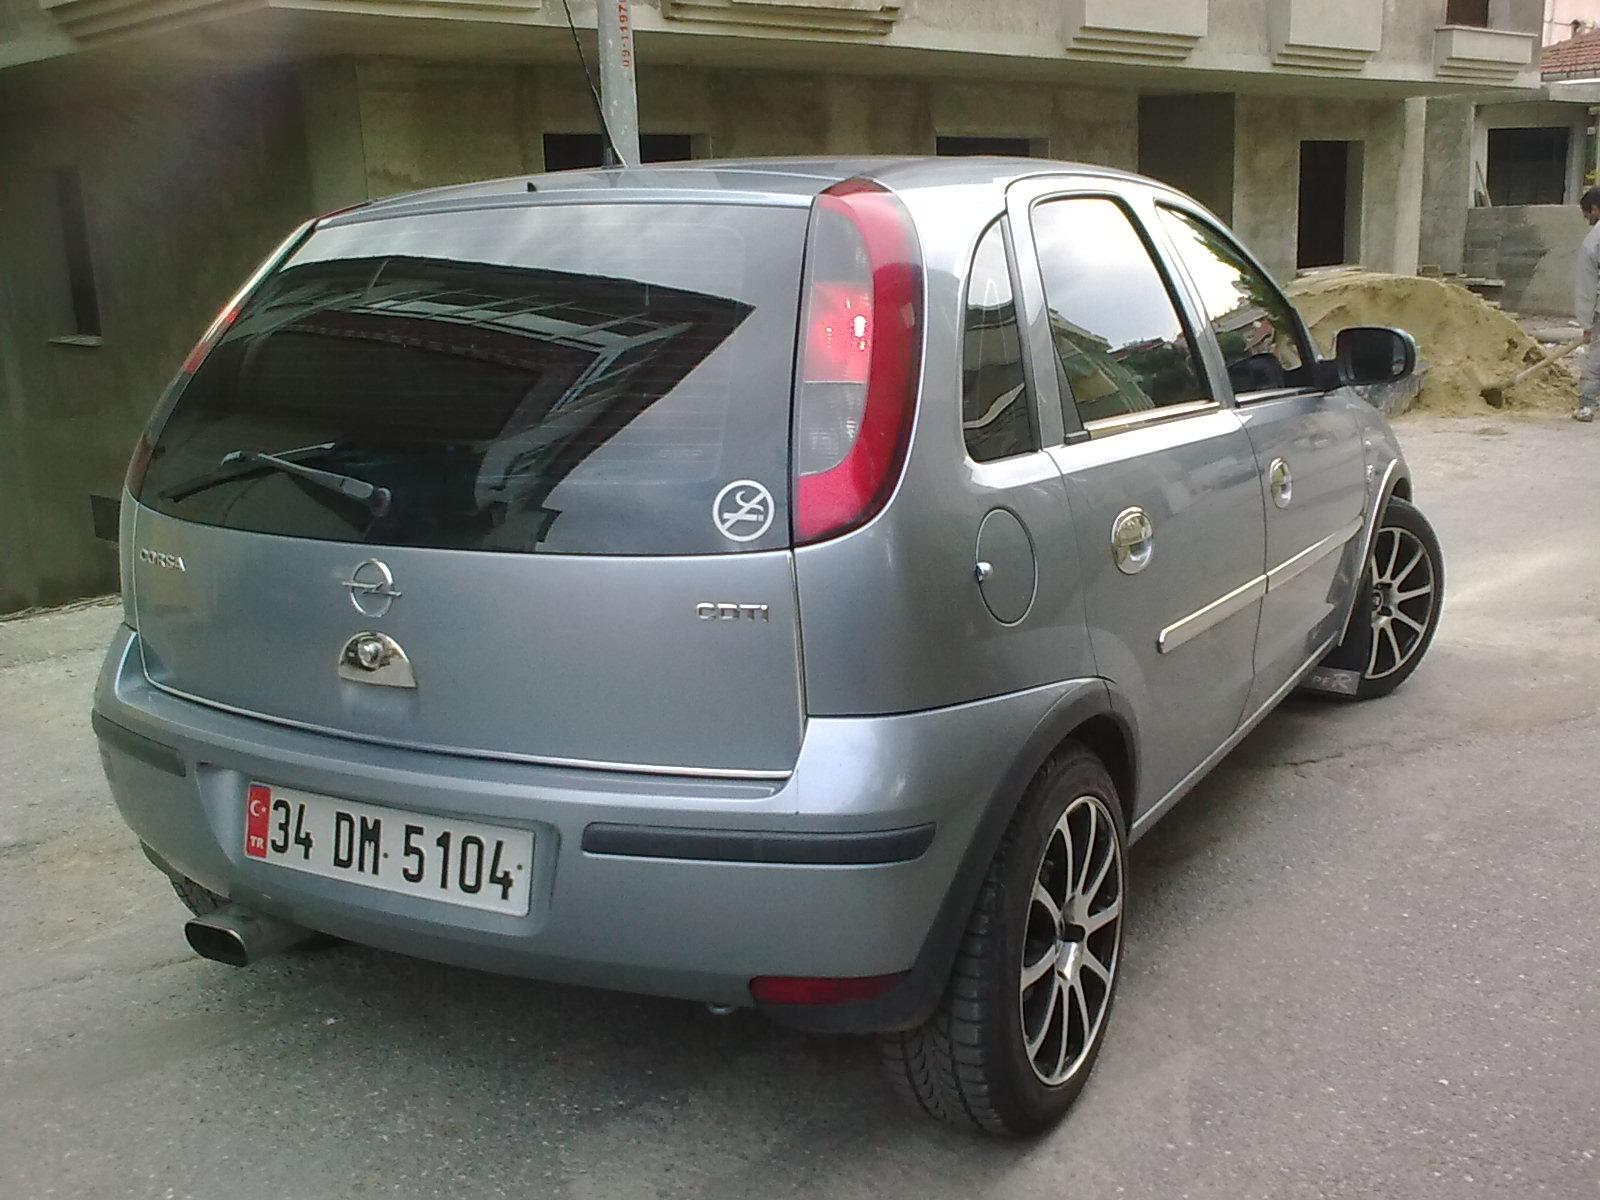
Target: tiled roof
{"points": [[1577, 57]]}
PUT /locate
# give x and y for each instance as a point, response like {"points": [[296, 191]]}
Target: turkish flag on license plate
{"points": [[258, 804]]}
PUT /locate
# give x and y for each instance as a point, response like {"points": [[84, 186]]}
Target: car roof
{"points": [[772, 178]]}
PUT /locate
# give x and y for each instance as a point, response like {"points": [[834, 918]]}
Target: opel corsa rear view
{"points": [[788, 584]]}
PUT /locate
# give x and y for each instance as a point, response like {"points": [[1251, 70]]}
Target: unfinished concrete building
{"points": [[152, 150]]}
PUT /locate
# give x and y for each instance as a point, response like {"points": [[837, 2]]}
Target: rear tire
{"points": [[1024, 1014], [196, 899]]}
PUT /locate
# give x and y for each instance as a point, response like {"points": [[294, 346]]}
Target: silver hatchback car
{"points": [[788, 584]]}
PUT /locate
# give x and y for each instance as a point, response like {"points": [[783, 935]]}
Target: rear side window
{"points": [[1121, 342], [1257, 330], [581, 379], [996, 410]]}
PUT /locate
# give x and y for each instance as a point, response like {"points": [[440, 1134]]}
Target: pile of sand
{"points": [[1465, 343]]}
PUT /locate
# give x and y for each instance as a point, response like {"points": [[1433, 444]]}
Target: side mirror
{"points": [[1369, 354]]}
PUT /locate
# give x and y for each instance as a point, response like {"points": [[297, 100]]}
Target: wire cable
{"points": [[610, 157]]}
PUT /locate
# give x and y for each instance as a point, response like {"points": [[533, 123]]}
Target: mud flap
{"points": [[1332, 681], [1341, 671]]}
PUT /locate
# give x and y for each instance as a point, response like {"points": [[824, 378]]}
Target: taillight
{"points": [[794, 989], [860, 358]]}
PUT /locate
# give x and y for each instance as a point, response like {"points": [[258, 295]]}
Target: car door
{"points": [[1307, 444], [1160, 475]]}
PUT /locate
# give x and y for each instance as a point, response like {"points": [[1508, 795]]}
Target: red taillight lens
{"points": [[861, 358], [793, 989], [138, 465]]}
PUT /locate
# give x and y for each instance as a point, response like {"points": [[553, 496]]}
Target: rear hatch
{"points": [[542, 448]]}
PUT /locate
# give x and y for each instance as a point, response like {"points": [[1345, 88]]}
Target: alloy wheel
{"points": [[1401, 600], [1072, 940]]}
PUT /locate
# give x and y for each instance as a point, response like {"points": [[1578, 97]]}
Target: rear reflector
{"points": [[861, 358], [799, 989]]}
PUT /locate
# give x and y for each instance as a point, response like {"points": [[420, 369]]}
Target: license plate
{"points": [[458, 862]]}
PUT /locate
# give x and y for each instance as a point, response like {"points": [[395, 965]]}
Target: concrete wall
{"points": [[184, 190], [1531, 247], [1536, 114], [1188, 141], [380, 126], [1267, 136]]}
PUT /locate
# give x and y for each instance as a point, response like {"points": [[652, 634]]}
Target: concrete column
{"points": [[1392, 200], [1266, 173], [1096, 126], [331, 97], [1446, 182]]}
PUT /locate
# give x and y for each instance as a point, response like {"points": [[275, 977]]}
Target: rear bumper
{"points": [[680, 887]]}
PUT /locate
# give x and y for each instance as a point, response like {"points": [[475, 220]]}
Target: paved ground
{"points": [[1362, 961]]}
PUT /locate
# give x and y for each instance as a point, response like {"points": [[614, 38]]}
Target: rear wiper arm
{"points": [[201, 483], [374, 497]]}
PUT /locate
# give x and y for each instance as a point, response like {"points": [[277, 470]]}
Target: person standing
{"points": [[1587, 307]]}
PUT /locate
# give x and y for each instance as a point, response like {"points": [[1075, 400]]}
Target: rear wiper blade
{"points": [[239, 463], [374, 497], [200, 483]]}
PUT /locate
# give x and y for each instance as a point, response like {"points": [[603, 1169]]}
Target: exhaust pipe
{"points": [[238, 936]]}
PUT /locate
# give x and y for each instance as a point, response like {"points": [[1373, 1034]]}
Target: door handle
{"points": [[1280, 482], [1133, 540]]}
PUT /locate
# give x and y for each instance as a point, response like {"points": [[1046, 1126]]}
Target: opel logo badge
{"points": [[743, 510], [371, 587]]}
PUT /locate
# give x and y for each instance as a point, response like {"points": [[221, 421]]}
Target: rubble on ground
{"points": [[1466, 343]]}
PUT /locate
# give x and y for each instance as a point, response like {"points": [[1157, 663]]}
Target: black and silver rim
{"points": [[1401, 601], [1072, 941]]}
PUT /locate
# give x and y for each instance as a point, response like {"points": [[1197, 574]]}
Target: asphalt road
{"points": [[1362, 961]]}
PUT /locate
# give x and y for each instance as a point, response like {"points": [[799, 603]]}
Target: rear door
{"points": [[572, 420], [1161, 478], [1306, 442]]}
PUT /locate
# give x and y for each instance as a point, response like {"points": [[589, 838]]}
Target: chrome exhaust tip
{"points": [[237, 936]]}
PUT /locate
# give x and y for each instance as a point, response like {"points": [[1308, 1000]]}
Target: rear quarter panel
{"points": [[891, 616]]}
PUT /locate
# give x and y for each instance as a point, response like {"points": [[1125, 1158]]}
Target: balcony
{"points": [[1466, 54], [91, 22], [1142, 31], [1328, 39], [800, 16]]}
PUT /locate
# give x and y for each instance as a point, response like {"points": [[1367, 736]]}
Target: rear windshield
{"points": [[579, 379]]}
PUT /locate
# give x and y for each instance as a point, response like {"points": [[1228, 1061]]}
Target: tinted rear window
{"points": [[583, 379]]}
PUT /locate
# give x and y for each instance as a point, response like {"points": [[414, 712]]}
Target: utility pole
{"points": [[619, 100]]}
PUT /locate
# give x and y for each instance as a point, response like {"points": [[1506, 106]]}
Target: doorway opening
{"points": [[1330, 203]]}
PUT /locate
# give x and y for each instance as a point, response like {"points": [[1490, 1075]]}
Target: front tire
{"points": [[1025, 1011], [1397, 606]]}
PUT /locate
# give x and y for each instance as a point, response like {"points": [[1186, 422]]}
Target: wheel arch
{"points": [[1090, 712]]}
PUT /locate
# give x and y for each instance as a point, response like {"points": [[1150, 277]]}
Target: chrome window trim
{"points": [[1245, 399], [1102, 426], [538, 760]]}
